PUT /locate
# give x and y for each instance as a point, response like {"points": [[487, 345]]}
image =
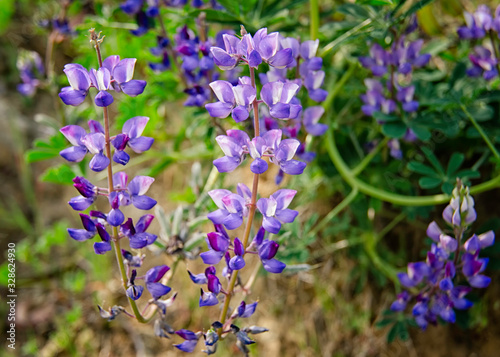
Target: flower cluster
{"points": [[450, 260], [94, 142], [283, 110], [391, 91], [479, 25], [113, 227], [31, 70], [113, 74]]}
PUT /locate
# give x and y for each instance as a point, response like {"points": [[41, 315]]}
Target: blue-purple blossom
{"points": [[477, 24], [131, 136], [275, 210], [437, 276], [234, 100], [377, 62], [278, 97], [232, 207], [115, 74], [191, 340], [30, 68], [483, 63], [88, 194], [246, 310], [134, 291], [152, 280], [132, 192], [218, 245], [89, 229], [137, 235]]}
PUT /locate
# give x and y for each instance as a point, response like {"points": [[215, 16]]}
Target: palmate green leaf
{"points": [[222, 17], [467, 173], [447, 188], [379, 116], [418, 5], [375, 2], [429, 182], [355, 10], [36, 155], [422, 169], [422, 132], [454, 164], [384, 322], [433, 160], [61, 175], [394, 130]]}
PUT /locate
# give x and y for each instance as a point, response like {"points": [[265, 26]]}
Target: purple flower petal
{"points": [[139, 185], [143, 202], [134, 87], [74, 153], [157, 290], [258, 166], [236, 263], [271, 225], [74, 134], [80, 234], [219, 109], [80, 203], [273, 265], [479, 281], [198, 278], [115, 217], [141, 144], [211, 257], [99, 162], [101, 247], [103, 99]]}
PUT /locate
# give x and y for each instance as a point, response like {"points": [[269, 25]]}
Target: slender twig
{"points": [[481, 132]]}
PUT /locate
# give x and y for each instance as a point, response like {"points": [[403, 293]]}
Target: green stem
{"points": [[481, 132], [368, 158], [251, 212], [115, 237], [345, 36], [391, 225], [335, 211], [314, 16], [390, 197]]}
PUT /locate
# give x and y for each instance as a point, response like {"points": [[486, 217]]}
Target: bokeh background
{"points": [[334, 298]]}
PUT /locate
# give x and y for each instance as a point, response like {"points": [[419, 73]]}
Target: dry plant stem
{"points": [[251, 211], [115, 238]]}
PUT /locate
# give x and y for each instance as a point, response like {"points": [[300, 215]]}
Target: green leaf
{"points": [[231, 6], [419, 5], [379, 116], [394, 130], [429, 182], [36, 155], [8, 7], [393, 333], [384, 322], [433, 160], [454, 164], [420, 131], [422, 169], [354, 10], [447, 188], [375, 2], [468, 173], [62, 175]]}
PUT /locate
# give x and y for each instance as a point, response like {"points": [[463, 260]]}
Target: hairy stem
{"points": [[481, 132], [115, 237], [251, 211]]}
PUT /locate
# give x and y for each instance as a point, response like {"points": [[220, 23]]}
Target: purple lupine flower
{"points": [[79, 84], [477, 24], [89, 229], [209, 298], [191, 340], [160, 51], [268, 47], [436, 277], [88, 194], [406, 57], [218, 244], [30, 67], [121, 72], [405, 96], [133, 192], [401, 301], [374, 99], [235, 146], [95, 143], [74, 134], [132, 260], [134, 291], [246, 310], [101, 79], [483, 63], [229, 58], [152, 278], [131, 136], [232, 99], [277, 96], [105, 245], [495, 26], [275, 211], [310, 119], [232, 208], [237, 262], [137, 235], [283, 157], [378, 61], [395, 149]]}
